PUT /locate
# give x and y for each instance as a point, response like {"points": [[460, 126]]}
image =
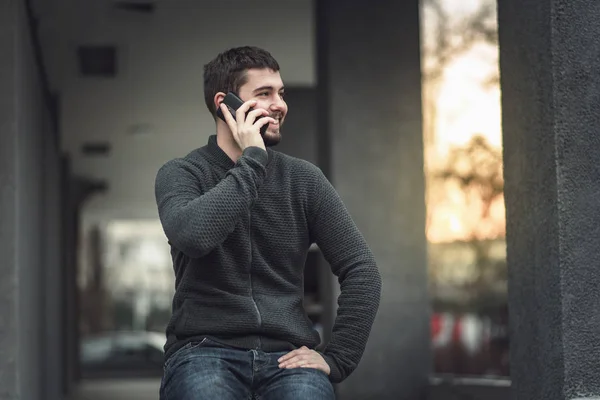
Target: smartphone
{"points": [[233, 102]]}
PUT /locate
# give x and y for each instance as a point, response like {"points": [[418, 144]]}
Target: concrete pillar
{"points": [[53, 281], [30, 361], [9, 283], [371, 147], [549, 61]]}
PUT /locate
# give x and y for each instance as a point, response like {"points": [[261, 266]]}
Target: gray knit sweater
{"points": [[240, 234]]}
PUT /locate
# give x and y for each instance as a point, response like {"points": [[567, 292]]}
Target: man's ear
{"points": [[218, 99]]}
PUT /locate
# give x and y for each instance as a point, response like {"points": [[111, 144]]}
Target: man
{"points": [[240, 219]]}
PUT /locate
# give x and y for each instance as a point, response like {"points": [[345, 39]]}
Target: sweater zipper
{"points": [[250, 275]]}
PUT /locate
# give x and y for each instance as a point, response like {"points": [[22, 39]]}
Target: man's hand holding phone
{"points": [[246, 128]]}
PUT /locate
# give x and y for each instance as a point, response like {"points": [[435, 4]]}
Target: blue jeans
{"points": [[208, 370]]}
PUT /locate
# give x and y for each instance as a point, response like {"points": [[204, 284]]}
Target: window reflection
{"points": [[463, 157], [126, 286]]}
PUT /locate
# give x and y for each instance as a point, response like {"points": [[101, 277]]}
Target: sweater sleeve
{"points": [[194, 221], [351, 260]]}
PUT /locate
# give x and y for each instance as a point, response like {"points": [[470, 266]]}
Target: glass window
{"points": [[463, 157], [126, 286]]}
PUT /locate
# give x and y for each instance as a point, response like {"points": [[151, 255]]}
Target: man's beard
{"points": [[270, 138]]}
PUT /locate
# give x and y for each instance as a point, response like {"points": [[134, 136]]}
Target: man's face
{"points": [[266, 87]]}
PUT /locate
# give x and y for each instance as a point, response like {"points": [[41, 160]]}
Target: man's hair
{"points": [[228, 71]]}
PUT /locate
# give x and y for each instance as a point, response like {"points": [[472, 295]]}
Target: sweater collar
{"points": [[218, 154], [221, 157]]}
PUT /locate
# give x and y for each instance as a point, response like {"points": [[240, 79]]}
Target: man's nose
{"points": [[278, 105]]}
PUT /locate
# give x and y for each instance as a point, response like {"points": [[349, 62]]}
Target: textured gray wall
{"points": [[370, 111], [53, 279], [29, 324], [30, 230], [9, 360], [549, 59]]}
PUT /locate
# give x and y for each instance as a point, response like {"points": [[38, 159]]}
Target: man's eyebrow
{"points": [[266, 88]]}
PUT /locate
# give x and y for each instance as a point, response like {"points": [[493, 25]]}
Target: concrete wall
{"points": [[550, 99], [30, 229], [9, 290], [28, 208]]}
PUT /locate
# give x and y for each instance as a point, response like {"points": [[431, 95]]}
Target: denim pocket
{"points": [[184, 349]]}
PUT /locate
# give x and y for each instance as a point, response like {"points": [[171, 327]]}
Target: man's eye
{"points": [[282, 94], [263, 94]]}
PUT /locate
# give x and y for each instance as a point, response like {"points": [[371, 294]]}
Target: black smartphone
{"points": [[233, 102]]}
